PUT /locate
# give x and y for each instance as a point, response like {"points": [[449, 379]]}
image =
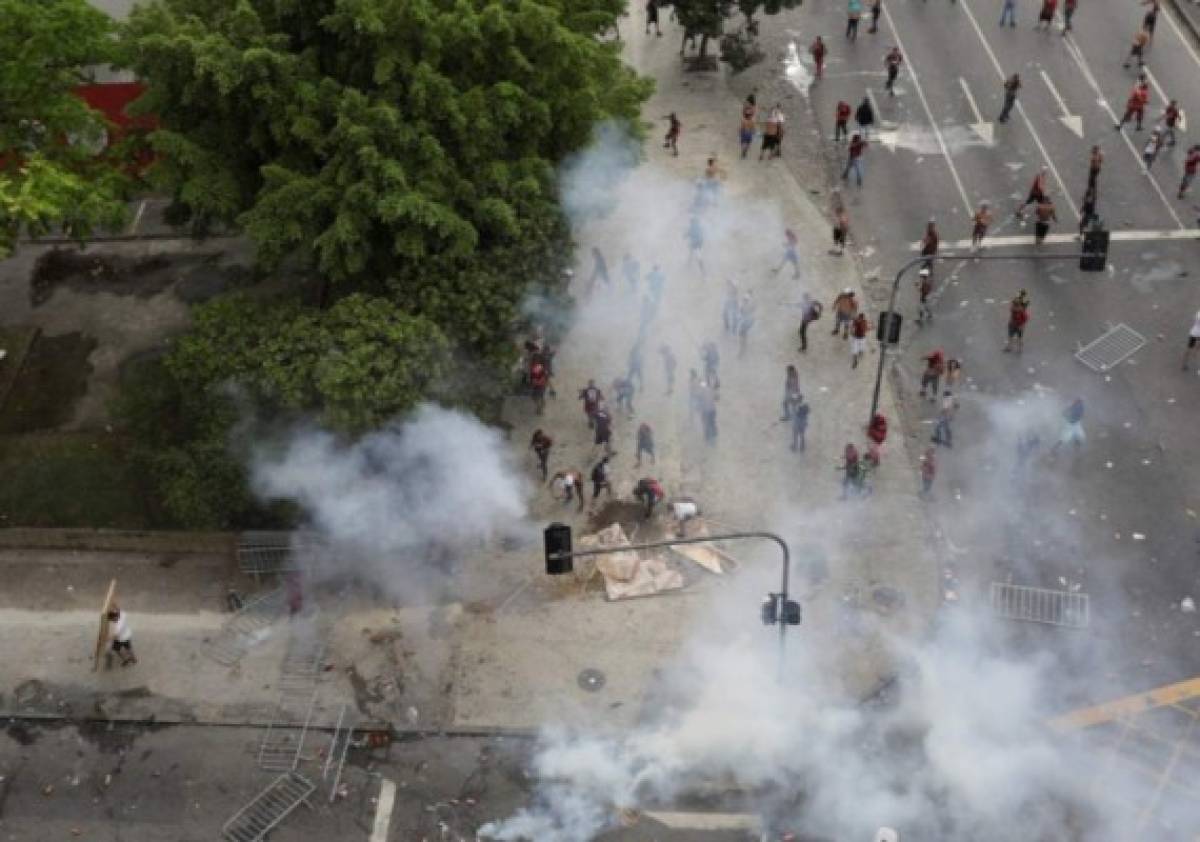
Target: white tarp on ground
{"points": [[625, 574]]}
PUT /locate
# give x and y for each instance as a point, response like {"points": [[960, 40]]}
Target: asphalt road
{"points": [[1074, 516]]}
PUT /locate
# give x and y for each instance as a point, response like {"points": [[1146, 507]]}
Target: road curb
{"points": [[1189, 16]]}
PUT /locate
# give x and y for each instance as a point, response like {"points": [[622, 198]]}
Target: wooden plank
{"points": [[102, 635]]}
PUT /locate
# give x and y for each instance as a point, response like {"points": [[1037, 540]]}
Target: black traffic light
{"points": [[888, 327], [557, 537], [1095, 249], [770, 610]]}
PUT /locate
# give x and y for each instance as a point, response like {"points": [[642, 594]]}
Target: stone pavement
{"points": [[509, 652]]}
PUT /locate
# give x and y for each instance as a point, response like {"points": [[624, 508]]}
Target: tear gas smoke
{"points": [[417, 490]]}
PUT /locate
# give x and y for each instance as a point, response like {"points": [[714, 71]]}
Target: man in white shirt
{"points": [[122, 636]]}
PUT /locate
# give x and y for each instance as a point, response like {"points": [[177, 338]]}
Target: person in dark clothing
{"points": [[540, 444], [645, 444], [592, 398], [799, 423], [635, 368], [600, 479], [623, 390], [652, 17], [864, 115], [851, 471], [810, 311], [1087, 210], [669, 363], [603, 422], [1011, 85], [712, 360], [891, 63], [791, 391]]}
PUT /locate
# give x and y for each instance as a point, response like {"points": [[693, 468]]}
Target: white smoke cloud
{"points": [[431, 484]]}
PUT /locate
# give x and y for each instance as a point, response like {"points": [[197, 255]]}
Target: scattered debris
{"points": [[1187, 605]]}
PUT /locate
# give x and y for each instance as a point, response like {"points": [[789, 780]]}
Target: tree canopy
{"points": [[50, 171]]}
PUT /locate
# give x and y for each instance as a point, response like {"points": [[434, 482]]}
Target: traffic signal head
{"points": [[557, 539], [888, 327]]}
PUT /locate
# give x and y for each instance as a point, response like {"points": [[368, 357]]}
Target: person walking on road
{"points": [[928, 472], [1044, 214], [1008, 13], [711, 357], [876, 9], [1072, 426], [669, 363], [930, 242], [1011, 85], [854, 155], [979, 227], [924, 288], [854, 10], [935, 367], [674, 129], [1018, 317], [864, 115], [1150, 151], [599, 270], [1170, 119], [791, 391], [603, 431], [1046, 17], [592, 397], [790, 253], [539, 381], [652, 17], [841, 120], [1095, 163], [817, 50], [1192, 342], [858, 338], [1135, 106], [852, 472], [799, 423], [1087, 209], [1037, 191], [942, 433], [695, 241], [645, 444], [891, 63], [1137, 50], [1190, 165], [841, 229], [1150, 20], [540, 444], [121, 634], [810, 311], [601, 480], [623, 392], [845, 308], [1069, 7], [746, 129]]}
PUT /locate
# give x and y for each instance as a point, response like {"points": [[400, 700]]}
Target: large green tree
{"points": [[51, 170], [373, 138]]}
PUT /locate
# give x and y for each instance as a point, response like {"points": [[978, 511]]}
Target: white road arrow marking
{"points": [[981, 127], [1086, 70], [1071, 121]]}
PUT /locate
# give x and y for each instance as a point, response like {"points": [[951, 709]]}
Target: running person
{"points": [[1190, 165], [979, 228], [1087, 210], [1046, 18], [1170, 119], [1044, 214], [1011, 85], [1135, 105], [891, 63], [817, 50], [1137, 50], [930, 243], [674, 129]]}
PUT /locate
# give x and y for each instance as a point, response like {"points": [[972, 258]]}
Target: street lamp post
{"points": [[885, 332], [777, 608]]}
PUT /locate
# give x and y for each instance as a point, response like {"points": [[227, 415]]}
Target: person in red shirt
{"points": [[854, 154], [858, 338], [935, 367], [1190, 165], [1018, 316], [841, 119], [539, 379], [648, 492], [1135, 106], [817, 51], [1037, 190], [1046, 18]]}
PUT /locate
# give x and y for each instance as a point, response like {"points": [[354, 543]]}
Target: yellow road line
{"points": [[1169, 695]]}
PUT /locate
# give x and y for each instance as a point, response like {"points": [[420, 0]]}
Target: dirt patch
{"points": [[50, 383], [631, 516], [93, 273]]}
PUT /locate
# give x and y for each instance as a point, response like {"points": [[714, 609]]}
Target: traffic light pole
{"points": [[920, 261], [707, 539]]}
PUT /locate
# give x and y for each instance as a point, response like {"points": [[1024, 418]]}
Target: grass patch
{"points": [[49, 384], [70, 480]]}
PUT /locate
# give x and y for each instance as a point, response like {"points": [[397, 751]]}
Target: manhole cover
{"points": [[591, 680]]}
